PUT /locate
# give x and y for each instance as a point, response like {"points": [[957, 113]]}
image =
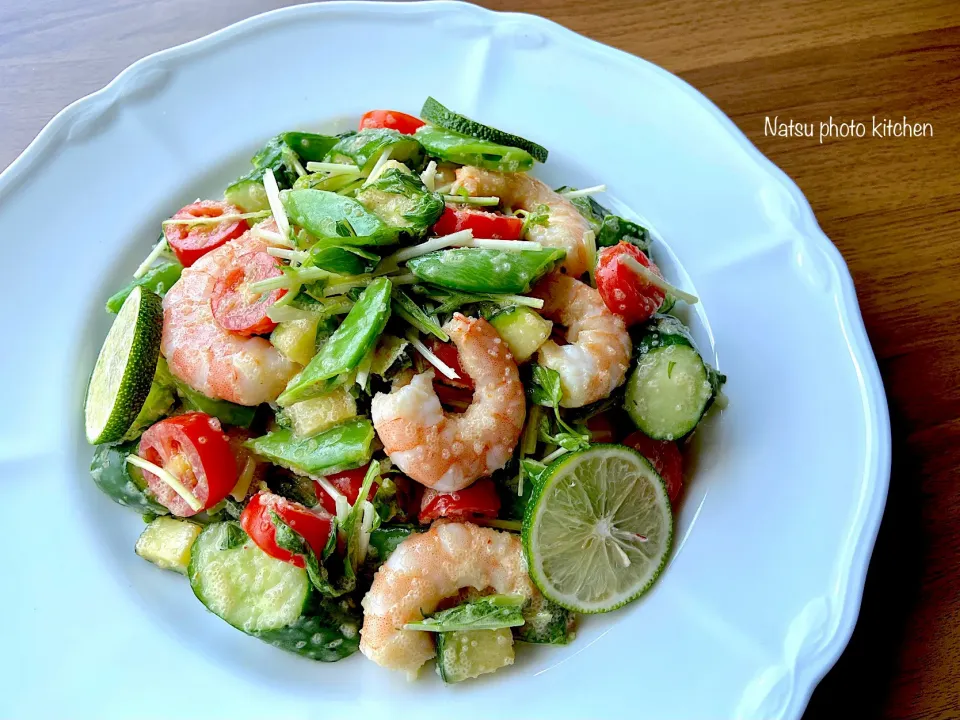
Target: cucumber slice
{"points": [[242, 585], [326, 634], [670, 387], [545, 622], [437, 114], [248, 193], [523, 330], [166, 543], [125, 367], [598, 529], [122, 482], [466, 654]]}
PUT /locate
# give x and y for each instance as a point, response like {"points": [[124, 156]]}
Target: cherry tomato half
{"points": [[480, 500], [490, 225], [191, 242], [624, 292], [314, 526], [235, 307], [602, 429], [392, 120], [448, 354], [665, 457], [348, 483], [195, 450]]}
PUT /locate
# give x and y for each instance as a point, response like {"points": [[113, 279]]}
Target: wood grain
{"points": [[892, 206]]}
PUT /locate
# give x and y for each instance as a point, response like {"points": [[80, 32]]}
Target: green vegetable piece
{"points": [[120, 481], [158, 403], [225, 411], [336, 220], [488, 613], [472, 653], [159, 279], [365, 147], [437, 114], [481, 270], [615, 228], [339, 448], [402, 201], [546, 622], [309, 147], [384, 540], [407, 309], [464, 150], [247, 192], [389, 356], [166, 542], [326, 633], [342, 260], [342, 184], [351, 342]]}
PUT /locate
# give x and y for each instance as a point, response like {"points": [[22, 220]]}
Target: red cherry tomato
{"points": [[195, 450], [191, 242], [348, 483], [447, 352], [484, 224], [623, 290], [392, 120], [314, 526], [601, 429], [480, 500], [235, 307], [665, 457]]}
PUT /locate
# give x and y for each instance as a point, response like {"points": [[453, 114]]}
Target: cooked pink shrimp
{"points": [[596, 360], [445, 451], [565, 228], [425, 569], [214, 361]]}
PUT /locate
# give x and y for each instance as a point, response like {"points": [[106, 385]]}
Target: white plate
{"points": [[788, 489]]}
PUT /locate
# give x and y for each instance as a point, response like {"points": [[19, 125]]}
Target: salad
{"points": [[394, 394]]}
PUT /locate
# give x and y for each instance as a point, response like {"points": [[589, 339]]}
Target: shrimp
{"points": [[425, 569], [448, 452], [596, 360], [565, 228], [214, 361]]}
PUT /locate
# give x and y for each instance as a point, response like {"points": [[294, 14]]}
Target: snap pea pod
{"points": [[464, 150], [401, 200], [120, 481], [348, 345], [339, 448], [480, 270], [341, 184], [365, 147], [158, 279], [335, 219]]}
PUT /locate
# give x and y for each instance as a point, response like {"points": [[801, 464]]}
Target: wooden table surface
{"points": [[892, 206]]}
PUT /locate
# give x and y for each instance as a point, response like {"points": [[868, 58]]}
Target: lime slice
{"points": [[125, 368], [598, 529]]}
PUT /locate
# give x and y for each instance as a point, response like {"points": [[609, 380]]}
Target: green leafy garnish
{"points": [[488, 613]]}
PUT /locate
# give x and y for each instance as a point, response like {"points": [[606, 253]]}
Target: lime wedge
{"points": [[125, 368], [598, 529]]}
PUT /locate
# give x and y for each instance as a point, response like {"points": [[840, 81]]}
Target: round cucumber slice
{"points": [[437, 114], [668, 391], [598, 529], [241, 584], [125, 368]]}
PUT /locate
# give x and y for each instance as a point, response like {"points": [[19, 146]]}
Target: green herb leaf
{"points": [[488, 613], [233, 536]]}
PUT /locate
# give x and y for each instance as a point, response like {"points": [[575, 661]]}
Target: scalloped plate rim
{"points": [[877, 467]]}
